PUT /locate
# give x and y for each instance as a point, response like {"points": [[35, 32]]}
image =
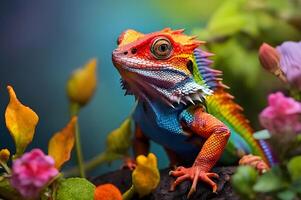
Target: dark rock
{"points": [[122, 179]]}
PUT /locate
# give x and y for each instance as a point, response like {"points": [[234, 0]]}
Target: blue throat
{"points": [[161, 124]]}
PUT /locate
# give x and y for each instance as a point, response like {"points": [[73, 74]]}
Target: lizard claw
{"points": [[254, 161], [194, 174]]}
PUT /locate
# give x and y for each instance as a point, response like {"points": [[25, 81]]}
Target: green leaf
{"points": [[7, 191], [238, 61], [296, 186], [298, 138], [119, 140], [276, 31], [286, 195], [228, 19], [184, 13], [262, 135], [243, 181], [269, 182], [278, 5], [251, 26], [294, 167], [75, 189]]}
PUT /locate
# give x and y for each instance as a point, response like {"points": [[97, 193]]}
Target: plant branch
{"points": [[101, 158], [74, 110], [128, 195]]}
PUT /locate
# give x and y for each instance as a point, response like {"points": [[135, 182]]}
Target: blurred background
{"points": [[42, 42]]}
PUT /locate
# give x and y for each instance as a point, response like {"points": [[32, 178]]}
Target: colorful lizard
{"points": [[182, 104]]}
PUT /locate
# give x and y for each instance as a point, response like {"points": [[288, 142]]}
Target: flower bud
{"points": [[82, 83], [4, 155], [269, 58]]}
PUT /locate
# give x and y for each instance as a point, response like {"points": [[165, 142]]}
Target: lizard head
{"points": [[158, 66]]}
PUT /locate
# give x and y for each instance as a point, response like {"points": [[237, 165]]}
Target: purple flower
{"points": [[284, 61], [282, 115], [31, 172], [290, 62]]}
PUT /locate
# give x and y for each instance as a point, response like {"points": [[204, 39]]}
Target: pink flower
{"points": [[31, 172], [282, 115]]}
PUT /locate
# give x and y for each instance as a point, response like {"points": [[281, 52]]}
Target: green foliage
{"points": [[241, 64], [226, 20], [270, 181], [294, 168], [186, 12], [281, 182], [243, 181], [286, 195], [238, 27], [75, 189], [7, 191]]}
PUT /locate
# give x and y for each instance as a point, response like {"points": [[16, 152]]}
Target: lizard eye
{"points": [[161, 48]]}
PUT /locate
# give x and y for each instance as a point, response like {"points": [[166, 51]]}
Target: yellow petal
{"points": [[61, 144], [21, 122], [119, 140], [146, 176], [82, 83]]}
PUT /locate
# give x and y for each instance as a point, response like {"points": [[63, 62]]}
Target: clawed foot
{"points": [[194, 174], [129, 163], [254, 161]]}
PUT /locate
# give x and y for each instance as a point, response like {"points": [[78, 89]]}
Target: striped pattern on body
{"points": [[221, 105]]}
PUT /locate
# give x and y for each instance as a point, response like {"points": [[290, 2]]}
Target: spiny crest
{"points": [[190, 42], [129, 36], [211, 77], [222, 106]]}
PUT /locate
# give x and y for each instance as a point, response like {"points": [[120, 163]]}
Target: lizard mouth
{"points": [[116, 60], [148, 80]]}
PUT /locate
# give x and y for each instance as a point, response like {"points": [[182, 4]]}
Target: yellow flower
{"points": [[146, 176], [61, 144], [82, 83], [4, 155], [21, 122]]}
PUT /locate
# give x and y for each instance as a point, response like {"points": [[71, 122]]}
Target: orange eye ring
{"points": [[161, 48]]}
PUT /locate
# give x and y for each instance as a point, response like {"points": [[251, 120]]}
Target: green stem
{"points": [[98, 159], [94, 162], [5, 167], [129, 193], [74, 110]]}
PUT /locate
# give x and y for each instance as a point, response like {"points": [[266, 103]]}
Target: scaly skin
{"points": [[182, 104]]}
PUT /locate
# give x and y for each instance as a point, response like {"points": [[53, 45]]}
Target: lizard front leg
{"points": [[216, 135], [140, 146]]}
